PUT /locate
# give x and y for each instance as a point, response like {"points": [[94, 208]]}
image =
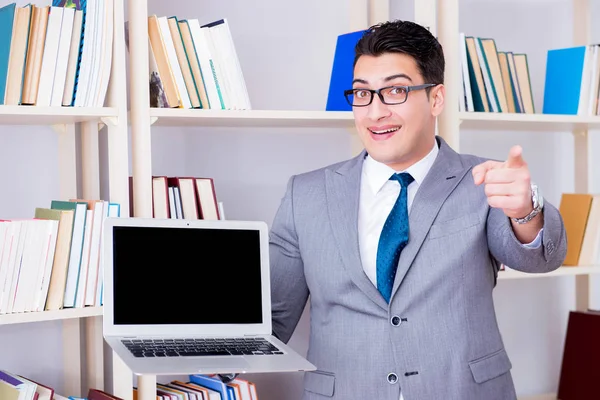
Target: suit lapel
{"points": [[443, 177], [343, 194]]}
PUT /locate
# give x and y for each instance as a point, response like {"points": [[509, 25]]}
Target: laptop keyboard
{"points": [[200, 347]]}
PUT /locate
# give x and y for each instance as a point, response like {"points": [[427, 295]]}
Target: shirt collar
{"points": [[377, 174]]}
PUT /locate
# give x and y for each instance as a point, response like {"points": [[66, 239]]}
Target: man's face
{"points": [[397, 135]]}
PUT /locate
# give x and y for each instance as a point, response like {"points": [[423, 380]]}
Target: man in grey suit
{"points": [[399, 247]]}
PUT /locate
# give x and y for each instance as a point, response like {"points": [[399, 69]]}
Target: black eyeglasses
{"points": [[390, 95]]}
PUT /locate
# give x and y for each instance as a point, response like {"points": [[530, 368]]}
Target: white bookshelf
{"points": [[43, 316], [33, 115], [561, 271], [544, 123], [78, 130], [251, 118]]}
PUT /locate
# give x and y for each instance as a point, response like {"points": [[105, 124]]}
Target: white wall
{"points": [[286, 50]]}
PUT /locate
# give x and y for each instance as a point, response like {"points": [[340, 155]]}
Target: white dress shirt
{"points": [[377, 197]]}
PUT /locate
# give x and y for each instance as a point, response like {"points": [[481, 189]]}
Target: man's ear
{"points": [[436, 99]]}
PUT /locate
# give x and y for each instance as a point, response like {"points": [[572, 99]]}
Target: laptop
{"points": [[191, 296]]}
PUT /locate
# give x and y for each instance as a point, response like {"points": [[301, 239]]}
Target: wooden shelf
{"points": [[252, 118], [527, 122], [33, 115], [562, 271], [66, 313]]}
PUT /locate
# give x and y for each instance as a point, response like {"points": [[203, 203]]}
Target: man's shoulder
{"points": [[317, 175]]}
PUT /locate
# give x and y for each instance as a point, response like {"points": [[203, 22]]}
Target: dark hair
{"points": [[408, 38]]}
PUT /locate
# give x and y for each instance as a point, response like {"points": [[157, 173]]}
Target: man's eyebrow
{"points": [[396, 76], [387, 79], [358, 80]]}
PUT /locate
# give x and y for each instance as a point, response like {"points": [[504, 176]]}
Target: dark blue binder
{"points": [[342, 72]]}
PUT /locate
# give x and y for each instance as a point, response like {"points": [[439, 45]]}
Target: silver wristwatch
{"points": [[538, 205]]}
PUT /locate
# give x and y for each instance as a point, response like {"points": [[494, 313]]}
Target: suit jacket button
{"points": [[392, 378], [396, 320]]}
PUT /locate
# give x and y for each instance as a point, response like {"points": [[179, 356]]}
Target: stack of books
{"points": [[54, 260], [57, 55], [492, 80], [194, 66]]}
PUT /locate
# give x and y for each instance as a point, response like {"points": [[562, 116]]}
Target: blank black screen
{"points": [[186, 276]]}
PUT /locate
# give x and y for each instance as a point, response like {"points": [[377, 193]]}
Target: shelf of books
{"points": [[210, 90], [497, 95], [50, 265], [55, 64]]}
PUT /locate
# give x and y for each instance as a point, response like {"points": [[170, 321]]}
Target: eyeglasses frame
{"points": [[378, 93]]}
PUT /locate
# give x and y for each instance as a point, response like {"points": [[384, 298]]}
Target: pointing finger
{"points": [[515, 157]]}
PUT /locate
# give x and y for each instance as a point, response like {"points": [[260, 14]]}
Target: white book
{"points": [[8, 262], [30, 266], [44, 284], [465, 74], [221, 210], [594, 78], [87, 53], [4, 250], [174, 62], [96, 52], [111, 210], [178, 206], [62, 63], [172, 209], [218, 68], [85, 260], [234, 64], [96, 243], [50, 57], [75, 254], [206, 64], [67, 97], [106, 57], [13, 279], [584, 89], [227, 62]]}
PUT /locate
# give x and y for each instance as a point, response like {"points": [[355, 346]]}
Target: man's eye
{"points": [[361, 93], [397, 91]]}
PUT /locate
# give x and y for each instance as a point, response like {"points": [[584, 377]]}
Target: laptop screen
{"points": [[180, 276]]}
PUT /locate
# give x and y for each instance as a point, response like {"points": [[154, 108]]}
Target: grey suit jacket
{"points": [[445, 342]]}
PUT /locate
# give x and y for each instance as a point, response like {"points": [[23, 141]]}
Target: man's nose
{"points": [[378, 110]]}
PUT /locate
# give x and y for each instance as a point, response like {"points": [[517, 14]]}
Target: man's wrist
{"points": [[537, 201]]}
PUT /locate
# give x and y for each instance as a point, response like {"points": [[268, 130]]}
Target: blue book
{"points": [[214, 384], [7, 17], [564, 73], [342, 72]]}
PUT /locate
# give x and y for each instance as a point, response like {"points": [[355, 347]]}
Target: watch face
{"points": [[538, 200]]}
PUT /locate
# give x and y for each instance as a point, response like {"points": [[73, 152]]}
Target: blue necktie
{"points": [[394, 237]]}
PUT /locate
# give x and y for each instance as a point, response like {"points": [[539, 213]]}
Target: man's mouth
{"points": [[383, 131]]}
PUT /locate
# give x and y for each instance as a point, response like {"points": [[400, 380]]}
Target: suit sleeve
{"points": [[289, 291], [507, 249]]}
